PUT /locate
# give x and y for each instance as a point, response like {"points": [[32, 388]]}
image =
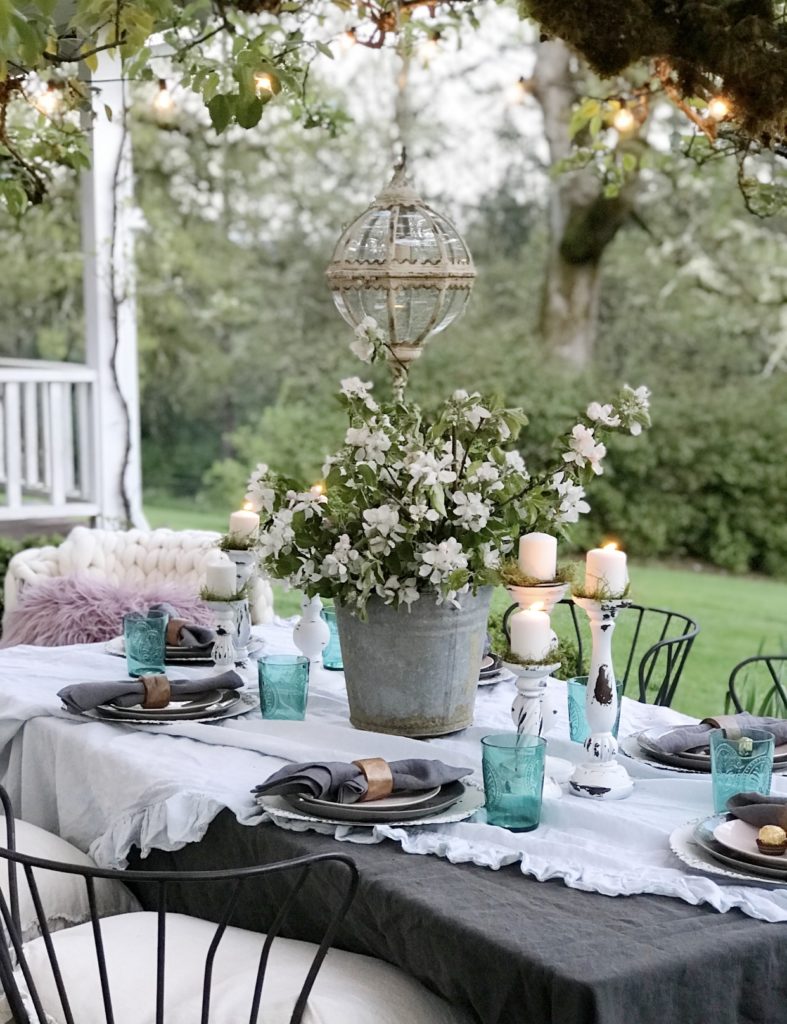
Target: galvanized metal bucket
{"points": [[414, 673]]}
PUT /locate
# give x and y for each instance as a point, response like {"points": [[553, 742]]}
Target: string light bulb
{"points": [[163, 102], [48, 101], [624, 121], [431, 46], [718, 108], [517, 92], [263, 83]]}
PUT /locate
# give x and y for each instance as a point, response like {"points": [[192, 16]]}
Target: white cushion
{"points": [[64, 897], [350, 989]]}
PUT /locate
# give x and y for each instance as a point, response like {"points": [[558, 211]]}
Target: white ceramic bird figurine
{"points": [[311, 633]]}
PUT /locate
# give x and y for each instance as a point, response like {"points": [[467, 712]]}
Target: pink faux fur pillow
{"points": [[84, 610]]}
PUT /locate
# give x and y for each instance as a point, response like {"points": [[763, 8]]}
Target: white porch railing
{"points": [[47, 457]]}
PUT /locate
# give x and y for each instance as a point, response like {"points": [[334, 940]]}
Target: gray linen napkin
{"points": [[79, 697], [192, 635], [759, 810], [345, 783], [687, 737]]}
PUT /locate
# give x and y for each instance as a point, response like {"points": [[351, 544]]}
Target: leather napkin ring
{"points": [[174, 627], [729, 723], [157, 692], [379, 780]]}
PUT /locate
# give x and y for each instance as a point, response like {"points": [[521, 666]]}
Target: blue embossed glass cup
{"points": [[742, 763], [332, 655], [284, 686], [576, 690], [145, 639], [513, 767]]}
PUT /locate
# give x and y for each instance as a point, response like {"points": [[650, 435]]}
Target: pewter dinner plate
{"points": [[361, 815], [388, 803], [172, 655], [490, 666], [695, 760], [245, 703], [203, 705]]}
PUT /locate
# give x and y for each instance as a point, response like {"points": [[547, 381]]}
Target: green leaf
{"points": [[325, 50], [221, 109], [248, 114]]}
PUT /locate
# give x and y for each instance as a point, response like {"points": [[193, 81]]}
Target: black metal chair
{"points": [[764, 676], [657, 642], [234, 879]]}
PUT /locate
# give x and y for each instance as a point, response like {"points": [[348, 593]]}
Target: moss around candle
{"points": [[605, 571], [538, 556], [531, 634]]}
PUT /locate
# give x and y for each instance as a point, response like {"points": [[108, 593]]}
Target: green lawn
{"points": [[738, 616]]}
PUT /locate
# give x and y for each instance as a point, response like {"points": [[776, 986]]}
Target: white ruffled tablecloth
{"points": [[107, 787]]}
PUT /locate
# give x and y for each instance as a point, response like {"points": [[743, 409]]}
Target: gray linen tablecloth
{"points": [[509, 948]]}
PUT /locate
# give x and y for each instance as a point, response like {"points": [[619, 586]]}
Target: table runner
{"points": [[162, 788]]}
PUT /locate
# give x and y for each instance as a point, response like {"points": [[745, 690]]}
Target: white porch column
{"points": [[108, 213]]}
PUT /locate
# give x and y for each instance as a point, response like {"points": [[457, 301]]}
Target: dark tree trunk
{"points": [[582, 221]]}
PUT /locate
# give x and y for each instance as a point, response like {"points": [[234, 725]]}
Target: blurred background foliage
{"points": [[241, 348]]}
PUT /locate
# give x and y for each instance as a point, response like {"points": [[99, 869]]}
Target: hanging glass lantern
{"points": [[404, 266]]}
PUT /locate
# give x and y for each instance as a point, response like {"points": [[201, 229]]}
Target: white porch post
{"points": [[108, 213]]}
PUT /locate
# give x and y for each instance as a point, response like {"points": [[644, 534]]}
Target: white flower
{"points": [[572, 503], [460, 395], [362, 347], [516, 463], [306, 502], [388, 590], [476, 414], [370, 445], [423, 511], [278, 536], [487, 473], [440, 560], [471, 510], [603, 414], [354, 387], [408, 591], [260, 495], [490, 557], [584, 450], [337, 565], [427, 469], [381, 526], [503, 430]]}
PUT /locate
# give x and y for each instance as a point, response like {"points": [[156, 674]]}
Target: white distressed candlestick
{"points": [[601, 777], [606, 573], [538, 556]]}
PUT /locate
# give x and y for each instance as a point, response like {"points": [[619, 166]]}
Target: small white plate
{"points": [[388, 802], [503, 676], [741, 837]]}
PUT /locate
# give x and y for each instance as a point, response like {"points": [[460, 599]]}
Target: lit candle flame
{"points": [[539, 606], [247, 506], [610, 546]]}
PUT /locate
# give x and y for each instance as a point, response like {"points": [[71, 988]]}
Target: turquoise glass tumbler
{"points": [[284, 686], [740, 764], [576, 689], [513, 768], [145, 639], [332, 655]]}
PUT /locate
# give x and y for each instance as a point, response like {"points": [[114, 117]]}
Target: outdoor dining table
{"points": [[515, 929]]}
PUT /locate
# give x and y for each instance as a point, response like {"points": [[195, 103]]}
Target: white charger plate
{"points": [[741, 838], [686, 849]]}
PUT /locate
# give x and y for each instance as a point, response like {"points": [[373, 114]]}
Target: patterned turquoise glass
{"points": [[284, 686], [145, 638], [740, 765], [513, 768], [332, 655], [576, 689]]}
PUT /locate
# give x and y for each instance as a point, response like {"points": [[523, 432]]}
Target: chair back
{"points": [[759, 685], [234, 880], [650, 647]]}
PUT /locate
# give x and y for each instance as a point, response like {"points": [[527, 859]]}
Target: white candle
{"points": [[531, 634], [220, 579], [538, 556], [605, 571], [244, 522]]}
